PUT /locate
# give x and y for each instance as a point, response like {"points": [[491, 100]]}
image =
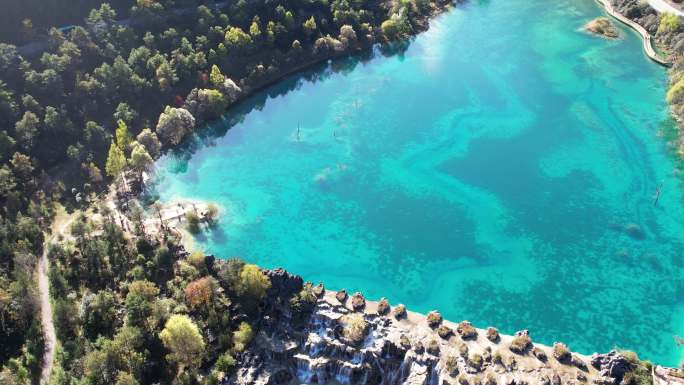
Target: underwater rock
{"points": [[634, 231]]}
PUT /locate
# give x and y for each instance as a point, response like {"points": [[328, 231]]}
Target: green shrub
{"points": [[475, 361], [463, 350], [383, 306], [497, 358], [399, 311], [668, 23], [396, 26], [561, 352], [211, 214], [520, 344], [510, 363], [405, 342], [493, 334], [354, 327], [196, 259], [444, 331], [193, 222], [463, 380], [302, 303], [242, 337], [466, 330], [358, 302], [319, 290], [434, 319], [676, 93], [252, 286], [225, 363], [433, 347], [451, 365], [640, 371]]}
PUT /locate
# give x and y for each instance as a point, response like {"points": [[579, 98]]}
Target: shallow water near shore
{"points": [[501, 170]]}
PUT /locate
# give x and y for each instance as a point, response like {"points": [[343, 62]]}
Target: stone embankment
{"points": [[348, 340]]}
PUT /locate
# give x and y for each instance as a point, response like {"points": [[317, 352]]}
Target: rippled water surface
{"points": [[501, 170]]}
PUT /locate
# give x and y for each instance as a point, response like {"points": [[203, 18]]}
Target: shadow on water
{"points": [[206, 135], [213, 233]]}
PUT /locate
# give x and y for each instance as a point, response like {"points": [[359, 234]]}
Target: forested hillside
{"points": [[106, 97], [24, 21]]}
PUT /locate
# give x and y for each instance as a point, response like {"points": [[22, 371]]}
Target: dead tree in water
{"points": [[657, 194]]}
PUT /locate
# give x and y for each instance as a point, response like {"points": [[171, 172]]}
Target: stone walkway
{"points": [[648, 44]]}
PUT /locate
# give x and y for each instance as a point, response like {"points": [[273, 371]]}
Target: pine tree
{"points": [[140, 159], [123, 138], [116, 161], [216, 77]]}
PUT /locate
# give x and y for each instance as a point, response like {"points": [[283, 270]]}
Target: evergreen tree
{"points": [[123, 138], [216, 77]]}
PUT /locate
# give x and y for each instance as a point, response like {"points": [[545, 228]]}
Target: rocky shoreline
{"points": [[344, 339]]}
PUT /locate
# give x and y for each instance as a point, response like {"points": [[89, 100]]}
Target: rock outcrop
{"points": [[612, 366], [602, 26], [283, 283], [340, 343]]}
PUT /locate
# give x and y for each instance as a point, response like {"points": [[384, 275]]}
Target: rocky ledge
{"points": [[602, 26], [349, 340]]}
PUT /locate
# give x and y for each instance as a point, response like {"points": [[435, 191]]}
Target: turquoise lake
{"points": [[501, 170]]}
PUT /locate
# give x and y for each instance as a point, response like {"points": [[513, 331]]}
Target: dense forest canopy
{"points": [[23, 21], [83, 106]]}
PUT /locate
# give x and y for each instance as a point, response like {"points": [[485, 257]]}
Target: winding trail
{"points": [[46, 317], [648, 44], [45, 305]]}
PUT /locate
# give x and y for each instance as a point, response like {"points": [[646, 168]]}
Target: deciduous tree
{"points": [[184, 341]]}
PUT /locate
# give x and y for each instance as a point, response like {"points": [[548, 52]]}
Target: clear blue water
{"points": [[491, 172]]}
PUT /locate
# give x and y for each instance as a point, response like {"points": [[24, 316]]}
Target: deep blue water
{"points": [[501, 170]]}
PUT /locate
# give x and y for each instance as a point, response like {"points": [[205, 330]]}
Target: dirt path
{"points": [[46, 318], [61, 223]]}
